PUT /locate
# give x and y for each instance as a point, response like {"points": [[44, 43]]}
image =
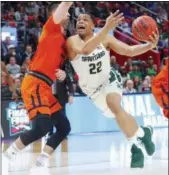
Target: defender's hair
{"points": [[52, 6]]}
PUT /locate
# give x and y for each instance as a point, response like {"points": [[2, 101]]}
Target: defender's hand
{"points": [[114, 20], [60, 75], [70, 100]]}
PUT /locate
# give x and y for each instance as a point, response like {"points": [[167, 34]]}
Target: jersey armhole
{"points": [[75, 58]]}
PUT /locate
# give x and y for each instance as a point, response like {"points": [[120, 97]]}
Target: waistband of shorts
{"points": [[41, 76]]}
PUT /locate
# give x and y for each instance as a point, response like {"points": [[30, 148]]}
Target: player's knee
{"points": [[41, 127], [114, 102], [43, 124]]}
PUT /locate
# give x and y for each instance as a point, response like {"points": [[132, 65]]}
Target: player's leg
{"points": [[42, 125], [130, 128], [60, 121], [36, 102], [62, 125], [109, 101]]}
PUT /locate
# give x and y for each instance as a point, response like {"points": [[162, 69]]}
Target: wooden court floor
{"points": [[94, 154]]}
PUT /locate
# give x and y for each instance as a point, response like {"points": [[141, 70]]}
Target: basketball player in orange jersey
{"points": [[89, 55], [9, 81], [37, 93], [160, 88]]}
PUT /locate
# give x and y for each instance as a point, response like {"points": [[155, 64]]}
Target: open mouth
{"points": [[80, 27]]}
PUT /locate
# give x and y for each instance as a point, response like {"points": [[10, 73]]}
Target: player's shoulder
{"points": [[73, 38]]}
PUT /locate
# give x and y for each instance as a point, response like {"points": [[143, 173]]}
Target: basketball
{"points": [[142, 27]]}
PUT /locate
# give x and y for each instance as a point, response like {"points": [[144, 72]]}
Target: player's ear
{"points": [[92, 26]]}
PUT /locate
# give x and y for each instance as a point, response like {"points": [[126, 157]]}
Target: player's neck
{"points": [[87, 37]]}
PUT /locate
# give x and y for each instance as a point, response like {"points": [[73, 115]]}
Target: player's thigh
{"points": [[53, 103], [100, 102], [113, 94], [35, 96]]}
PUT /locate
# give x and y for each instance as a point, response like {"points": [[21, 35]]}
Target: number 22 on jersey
{"points": [[95, 67]]}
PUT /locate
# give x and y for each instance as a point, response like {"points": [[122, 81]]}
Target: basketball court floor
{"points": [[94, 154]]}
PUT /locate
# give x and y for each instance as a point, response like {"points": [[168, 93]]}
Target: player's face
{"points": [[84, 25]]}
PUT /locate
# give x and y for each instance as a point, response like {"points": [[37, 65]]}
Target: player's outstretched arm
{"points": [[111, 22], [124, 49], [61, 11]]}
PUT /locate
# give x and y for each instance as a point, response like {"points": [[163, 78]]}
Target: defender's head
{"points": [[51, 9], [85, 24]]}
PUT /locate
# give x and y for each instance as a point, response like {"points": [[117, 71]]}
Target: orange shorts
{"points": [[37, 97], [160, 91]]}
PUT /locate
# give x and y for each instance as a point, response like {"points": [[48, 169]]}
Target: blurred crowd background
{"points": [[29, 17]]}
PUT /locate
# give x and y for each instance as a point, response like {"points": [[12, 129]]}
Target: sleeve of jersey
{"points": [[51, 27]]}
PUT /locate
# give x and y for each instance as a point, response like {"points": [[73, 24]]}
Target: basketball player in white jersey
{"points": [[89, 55]]}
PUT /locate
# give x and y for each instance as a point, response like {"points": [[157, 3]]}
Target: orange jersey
{"points": [[50, 51], [160, 88]]}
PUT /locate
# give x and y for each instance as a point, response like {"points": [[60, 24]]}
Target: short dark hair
{"points": [[89, 14], [52, 6]]}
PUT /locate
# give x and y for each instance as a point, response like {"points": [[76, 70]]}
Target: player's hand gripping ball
{"points": [[144, 28]]}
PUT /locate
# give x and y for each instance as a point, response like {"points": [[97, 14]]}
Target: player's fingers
{"points": [[115, 18], [157, 31], [120, 20], [154, 35], [119, 16], [115, 14], [151, 39]]}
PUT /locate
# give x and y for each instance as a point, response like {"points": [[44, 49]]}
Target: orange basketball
{"points": [[142, 27]]}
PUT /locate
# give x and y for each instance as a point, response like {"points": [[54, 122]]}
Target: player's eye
{"points": [[85, 19]]}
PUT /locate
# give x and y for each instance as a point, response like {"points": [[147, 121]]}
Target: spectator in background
{"points": [[79, 9], [27, 54], [42, 16], [18, 86], [5, 91], [114, 63], [149, 80], [12, 67], [12, 52], [137, 83], [129, 87], [102, 10], [146, 87], [128, 65], [4, 50], [135, 72], [18, 15], [34, 34], [4, 45], [8, 41], [25, 66], [151, 66], [124, 74], [125, 26]]}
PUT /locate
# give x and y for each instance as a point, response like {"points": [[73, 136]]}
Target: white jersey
{"points": [[93, 69]]}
